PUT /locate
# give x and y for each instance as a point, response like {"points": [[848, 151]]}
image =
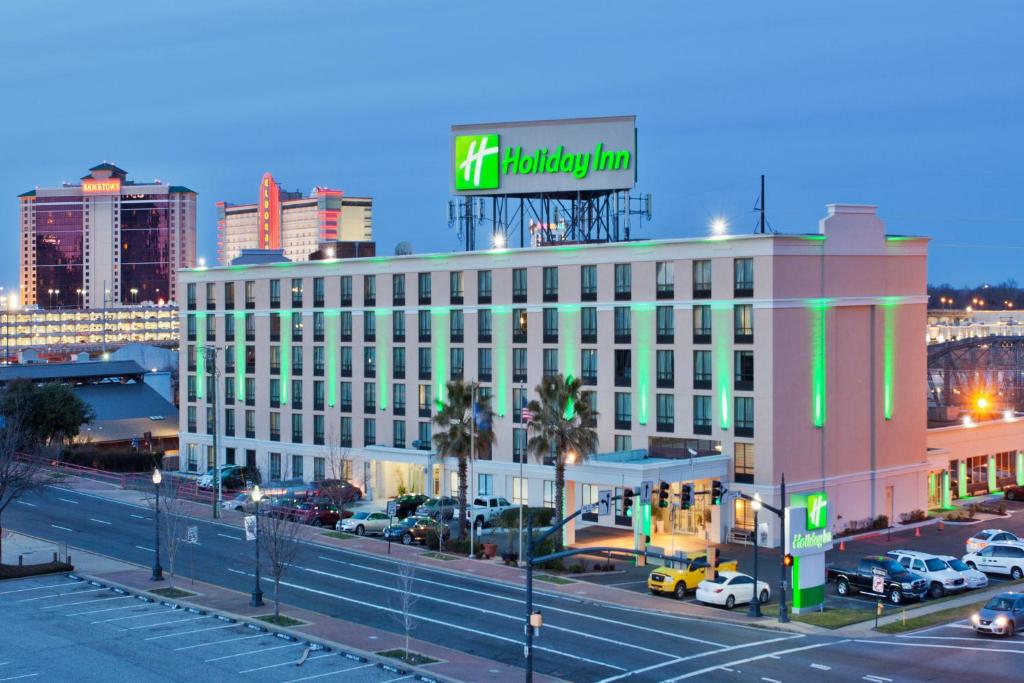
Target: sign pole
{"points": [[783, 610]]}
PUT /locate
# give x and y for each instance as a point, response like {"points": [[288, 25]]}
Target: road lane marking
{"points": [[232, 537], [737, 662], [876, 679], [63, 528], [165, 623], [821, 667], [251, 652], [139, 517], [61, 595], [25, 502], [85, 602], [940, 645], [770, 680], [14, 678], [185, 633], [73, 502], [334, 673], [218, 642], [142, 547], [100, 521]]}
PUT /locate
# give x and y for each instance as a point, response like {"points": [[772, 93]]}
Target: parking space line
{"points": [[139, 517], [38, 588], [329, 673], [400, 678], [147, 613], [164, 623], [185, 633], [97, 611], [61, 595], [62, 528], [288, 663], [251, 652], [66, 500], [218, 642], [85, 602], [142, 547], [233, 538]]}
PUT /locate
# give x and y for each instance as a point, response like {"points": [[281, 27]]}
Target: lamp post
{"points": [[755, 601], [158, 571], [135, 295], [257, 593]]}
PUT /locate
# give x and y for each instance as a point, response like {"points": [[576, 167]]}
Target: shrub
{"points": [[576, 568], [509, 519], [456, 545], [913, 516], [880, 522], [1002, 507]]}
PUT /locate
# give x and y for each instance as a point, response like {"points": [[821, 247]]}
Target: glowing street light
{"points": [[498, 241], [755, 600], [158, 572]]}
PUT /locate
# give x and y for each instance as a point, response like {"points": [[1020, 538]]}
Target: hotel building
{"points": [[105, 241], [740, 358], [287, 220]]}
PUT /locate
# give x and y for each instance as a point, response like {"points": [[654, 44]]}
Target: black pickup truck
{"points": [[898, 584]]}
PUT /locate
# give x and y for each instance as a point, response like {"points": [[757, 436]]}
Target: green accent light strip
{"points": [[947, 491], [643, 314], [568, 335], [890, 343], [992, 488], [818, 361], [961, 480], [722, 334], [645, 518], [200, 354], [1020, 468], [331, 322], [795, 582], [383, 334], [501, 321], [239, 355], [439, 333], [286, 355]]}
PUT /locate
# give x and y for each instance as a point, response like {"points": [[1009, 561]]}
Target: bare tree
{"points": [[173, 522], [407, 598], [21, 473], [338, 470], [280, 541]]}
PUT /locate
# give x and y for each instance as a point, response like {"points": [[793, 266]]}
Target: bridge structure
{"points": [[984, 373]]}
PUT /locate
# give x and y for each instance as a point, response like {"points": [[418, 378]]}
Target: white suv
{"points": [[941, 579], [999, 558], [983, 538], [973, 577]]}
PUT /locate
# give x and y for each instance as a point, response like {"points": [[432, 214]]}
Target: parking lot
{"points": [[58, 628]]}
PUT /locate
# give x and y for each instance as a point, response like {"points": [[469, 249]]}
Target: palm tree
{"points": [[455, 419], [561, 427]]}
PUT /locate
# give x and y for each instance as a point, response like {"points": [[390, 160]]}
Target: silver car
{"points": [[1002, 615], [363, 522]]}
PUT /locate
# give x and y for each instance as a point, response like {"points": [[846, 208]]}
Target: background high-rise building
{"points": [[104, 241], [287, 220]]}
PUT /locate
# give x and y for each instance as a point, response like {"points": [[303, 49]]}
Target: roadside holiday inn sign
{"points": [[808, 538]]}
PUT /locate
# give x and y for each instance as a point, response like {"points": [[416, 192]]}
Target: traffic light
{"points": [[787, 560], [663, 494], [627, 502], [716, 492], [686, 496]]}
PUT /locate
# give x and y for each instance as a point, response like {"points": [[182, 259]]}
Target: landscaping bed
{"points": [[281, 620], [411, 658], [20, 571]]}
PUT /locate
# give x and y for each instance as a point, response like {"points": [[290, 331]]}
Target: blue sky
{"points": [[914, 106]]}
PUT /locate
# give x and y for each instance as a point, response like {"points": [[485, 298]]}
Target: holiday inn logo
{"points": [[817, 510], [476, 162]]}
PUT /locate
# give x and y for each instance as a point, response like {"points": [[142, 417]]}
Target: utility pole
{"points": [[472, 457], [762, 203], [783, 610]]}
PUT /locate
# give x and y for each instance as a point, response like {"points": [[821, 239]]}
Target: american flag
{"points": [[527, 415]]}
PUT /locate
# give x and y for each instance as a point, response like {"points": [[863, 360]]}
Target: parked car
{"points": [[408, 504], [483, 511], [897, 583], [281, 508], [414, 528], [1002, 615], [678, 580], [983, 538], [941, 579], [439, 506], [340, 490], [364, 522], [730, 589], [973, 577], [318, 513], [1014, 492], [1004, 557], [242, 502], [230, 477]]}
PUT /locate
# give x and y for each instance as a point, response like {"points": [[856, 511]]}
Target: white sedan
{"points": [[731, 588], [364, 522]]}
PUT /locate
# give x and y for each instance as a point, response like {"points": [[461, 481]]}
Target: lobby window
{"points": [[702, 324], [369, 326], [318, 466], [666, 412], [702, 279], [665, 276], [623, 368], [743, 515], [666, 365], [275, 297], [192, 458], [423, 288], [398, 289], [623, 325], [483, 326], [588, 363], [550, 362], [297, 466], [345, 361], [456, 326], [743, 463], [369, 397], [483, 286], [297, 292], [275, 426], [484, 484], [296, 428], [423, 320], [743, 323], [519, 325], [743, 277], [519, 291], [369, 290], [190, 293], [520, 491], [588, 325], [483, 364], [318, 326], [423, 400], [623, 442], [275, 466], [345, 322], [550, 325], [345, 430], [250, 294], [297, 394], [398, 362], [519, 440], [743, 370], [398, 434], [346, 291], [369, 361], [518, 365], [623, 410], [549, 493], [588, 283], [369, 431], [398, 327], [345, 397], [701, 369], [398, 399], [623, 281], [744, 416], [318, 361], [701, 414], [424, 363], [666, 329], [550, 274], [458, 362], [455, 287], [318, 292]]}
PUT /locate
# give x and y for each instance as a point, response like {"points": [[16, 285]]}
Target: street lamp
{"points": [[755, 601], [158, 572], [135, 295], [257, 593]]}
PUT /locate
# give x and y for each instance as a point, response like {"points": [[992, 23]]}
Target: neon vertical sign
{"points": [[269, 214]]}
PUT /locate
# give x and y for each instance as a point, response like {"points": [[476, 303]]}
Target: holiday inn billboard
{"points": [[544, 157]]}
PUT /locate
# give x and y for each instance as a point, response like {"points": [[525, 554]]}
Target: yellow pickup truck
{"points": [[678, 580]]}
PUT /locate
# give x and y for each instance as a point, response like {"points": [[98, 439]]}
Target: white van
{"points": [[999, 558]]}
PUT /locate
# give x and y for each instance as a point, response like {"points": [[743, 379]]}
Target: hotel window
{"points": [[275, 393], [192, 419], [520, 491], [318, 395], [296, 360], [250, 294], [623, 368], [398, 362], [211, 383], [744, 416], [588, 363], [701, 414], [743, 463], [455, 287], [458, 362], [423, 400], [424, 363], [346, 325], [250, 391], [519, 291], [297, 292], [398, 327], [423, 431], [519, 445], [369, 431], [318, 465], [456, 326], [423, 288], [318, 361], [398, 399], [345, 397], [369, 361], [623, 281], [318, 292], [297, 466], [229, 296], [296, 428], [275, 426], [369, 290], [588, 283], [398, 434], [743, 277], [275, 295], [666, 364], [666, 412], [623, 325], [518, 365], [345, 440], [588, 325], [229, 328], [665, 275], [369, 326], [423, 317], [250, 424], [318, 326], [211, 328], [701, 369], [275, 360], [550, 283], [275, 327], [743, 323], [193, 464], [346, 290], [275, 466], [483, 364], [666, 324], [519, 325], [485, 484], [743, 369], [483, 326], [369, 397], [623, 442], [398, 289], [702, 324], [623, 410], [589, 495], [191, 327], [483, 286], [550, 362], [250, 327], [297, 394], [743, 514], [346, 361], [229, 389], [191, 358], [519, 401], [550, 325], [229, 422], [702, 279], [191, 296], [549, 493]]}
